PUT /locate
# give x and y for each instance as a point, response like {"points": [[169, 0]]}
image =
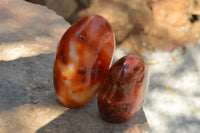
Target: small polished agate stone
{"points": [[82, 60], [123, 91]]}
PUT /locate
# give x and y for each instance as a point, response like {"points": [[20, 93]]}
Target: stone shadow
{"points": [[87, 120], [26, 81], [30, 81]]}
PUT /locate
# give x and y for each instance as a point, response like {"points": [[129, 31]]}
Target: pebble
{"points": [[83, 57]]}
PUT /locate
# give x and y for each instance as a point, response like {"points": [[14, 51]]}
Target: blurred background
{"points": [[165, 33], [139, 25]]}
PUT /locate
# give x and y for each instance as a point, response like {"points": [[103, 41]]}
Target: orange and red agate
{"points": [[123, 91], [82, 60]]}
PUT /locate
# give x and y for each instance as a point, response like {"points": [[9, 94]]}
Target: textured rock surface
{"points": [[29, 35]]}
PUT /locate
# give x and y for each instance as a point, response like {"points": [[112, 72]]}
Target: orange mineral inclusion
{"points": [[83, 57]]}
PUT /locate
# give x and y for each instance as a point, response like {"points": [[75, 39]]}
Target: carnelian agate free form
{"points": [[82, 60], [123, 91]]}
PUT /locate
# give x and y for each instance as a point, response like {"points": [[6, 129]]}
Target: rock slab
{"points": [[29, 35]]}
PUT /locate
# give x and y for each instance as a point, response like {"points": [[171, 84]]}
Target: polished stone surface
{"points": [[83, 57], [124, 88]]}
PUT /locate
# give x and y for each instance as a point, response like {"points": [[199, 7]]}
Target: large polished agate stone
{"points": [[123, 91], [82, 60]]}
